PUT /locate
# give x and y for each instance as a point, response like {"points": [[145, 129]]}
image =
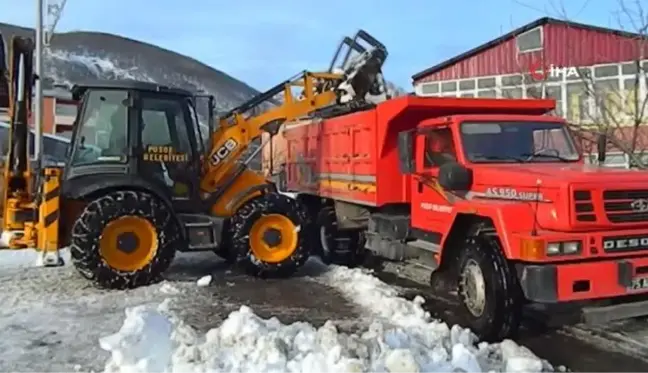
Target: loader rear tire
{"points": [[488, 287], [124, 239], [266, 236]]}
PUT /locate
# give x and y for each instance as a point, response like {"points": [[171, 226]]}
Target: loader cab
{"points": [[136, 133]]}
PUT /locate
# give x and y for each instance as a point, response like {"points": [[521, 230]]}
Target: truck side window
{"points": [[439, 148]]}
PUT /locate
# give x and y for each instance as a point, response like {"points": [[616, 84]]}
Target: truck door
{"points": [[431, 210], [169, 149]]}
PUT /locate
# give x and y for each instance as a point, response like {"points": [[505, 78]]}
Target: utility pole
{"points": [[38, 109]]}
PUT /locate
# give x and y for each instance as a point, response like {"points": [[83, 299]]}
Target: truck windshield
{"points": [[500, 142]]}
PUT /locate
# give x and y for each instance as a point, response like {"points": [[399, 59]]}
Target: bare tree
{"points": [[608, 99]]}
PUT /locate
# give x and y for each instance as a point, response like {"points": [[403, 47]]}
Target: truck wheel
{"points": [[266, 235], [336, 246], [124, 239], [488, 289]]}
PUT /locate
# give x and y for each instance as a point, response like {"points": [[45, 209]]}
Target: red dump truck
{"points": [[490, 194]]}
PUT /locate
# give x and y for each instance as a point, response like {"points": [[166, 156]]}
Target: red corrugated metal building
{"points": [[549, 58]]}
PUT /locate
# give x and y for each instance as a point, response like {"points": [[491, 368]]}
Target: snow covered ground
{"points": [[54, 321], [211, 319]]}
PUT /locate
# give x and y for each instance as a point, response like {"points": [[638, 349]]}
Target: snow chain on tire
{"points": [[88, 229], [502, 311], [242, 222]]}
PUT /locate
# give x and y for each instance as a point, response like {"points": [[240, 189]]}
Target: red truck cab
{"points": [[491, 193]]}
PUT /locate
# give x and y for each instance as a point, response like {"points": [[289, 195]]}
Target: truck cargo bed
{"points": [[354, 157]]}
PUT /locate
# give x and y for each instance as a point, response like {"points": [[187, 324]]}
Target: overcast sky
{"points": [[265, 42]]}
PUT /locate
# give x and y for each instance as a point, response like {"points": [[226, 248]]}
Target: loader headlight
{"points": [[563, 248]]}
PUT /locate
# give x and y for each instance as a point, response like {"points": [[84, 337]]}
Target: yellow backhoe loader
{"points": [[143, 181]]}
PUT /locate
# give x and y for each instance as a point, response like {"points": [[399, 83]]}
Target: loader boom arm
{"points": [[348, 83], [239, 127]]}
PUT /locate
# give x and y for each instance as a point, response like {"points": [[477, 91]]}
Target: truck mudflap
{"points": [[581, 281]]}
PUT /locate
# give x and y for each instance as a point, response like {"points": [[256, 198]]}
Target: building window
{"points": [[631, 87], [629, 68], [512, 81], [606, 71], [511, 92], [448, 87], [429, 88], [529, 41], [487, 93], [67, 110], [534, 91], [555, 92], [486, 83], [608, 101], [466, 85], [578, 105], [467, 95]]}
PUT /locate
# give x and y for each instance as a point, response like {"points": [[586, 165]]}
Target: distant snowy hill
{"points": [[78, 56]]}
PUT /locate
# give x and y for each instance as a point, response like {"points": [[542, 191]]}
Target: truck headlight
{"points": [[563, 248], [571, 247], [553, 248]]}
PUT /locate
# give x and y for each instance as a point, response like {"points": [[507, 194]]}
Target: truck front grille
{"points": [[626, 206], [584, 207]]}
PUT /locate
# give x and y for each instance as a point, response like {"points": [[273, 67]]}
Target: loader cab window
{"points": [[102, 135], [163, 123], [167, 143], [200, 131], [439, 148]]}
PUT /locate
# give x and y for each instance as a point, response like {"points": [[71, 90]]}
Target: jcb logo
{"points": [[224, 151]]}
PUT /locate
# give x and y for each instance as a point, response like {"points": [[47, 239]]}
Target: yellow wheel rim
{"points": [[128, 243], [273, 238]]}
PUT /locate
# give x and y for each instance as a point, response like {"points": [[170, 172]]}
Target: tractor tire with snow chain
{"points": [[488, 287], [266, 236], [124, 239], [342, 247]]}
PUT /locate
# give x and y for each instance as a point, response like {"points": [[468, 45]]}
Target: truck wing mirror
{"points": [[406, 152], [601, 148], [455, 177]]}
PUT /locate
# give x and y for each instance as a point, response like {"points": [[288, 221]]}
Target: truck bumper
{"points": [[564, 282]]}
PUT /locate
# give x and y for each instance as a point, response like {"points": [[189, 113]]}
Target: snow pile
{"points": [[418, 331], [400, 338]]}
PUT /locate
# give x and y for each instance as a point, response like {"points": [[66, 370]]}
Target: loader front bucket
{"points": [[360, 59], [351, 48], [4, 73]]}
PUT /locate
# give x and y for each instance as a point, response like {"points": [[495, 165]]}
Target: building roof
{"points": [[517, 31]]}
